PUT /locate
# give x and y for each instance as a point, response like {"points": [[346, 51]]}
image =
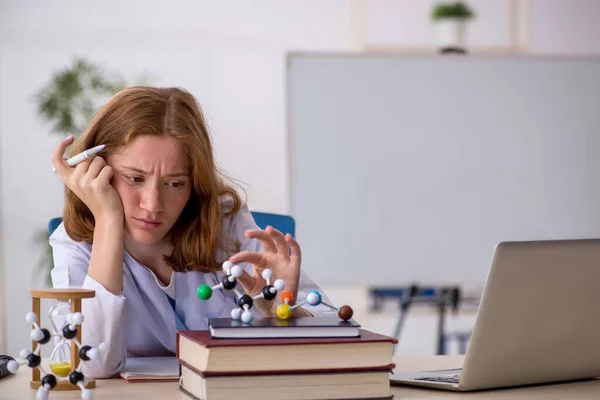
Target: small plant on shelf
{"points": [[451, 20]]}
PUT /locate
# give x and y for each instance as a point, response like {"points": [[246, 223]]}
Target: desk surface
{"points": [[17, 387]]}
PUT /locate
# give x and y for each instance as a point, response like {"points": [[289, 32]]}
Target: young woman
{"points": [[150, 219]]}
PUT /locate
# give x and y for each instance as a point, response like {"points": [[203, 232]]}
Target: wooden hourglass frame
{"points": [[74, 296]]}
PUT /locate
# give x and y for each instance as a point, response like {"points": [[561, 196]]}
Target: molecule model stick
{"points": [[33, 359], [228, 281], [244, 301], [269, 292], [314, 298]]}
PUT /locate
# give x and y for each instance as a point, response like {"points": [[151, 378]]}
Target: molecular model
{"points": [[244, 301], [43, 336], [314, 298]]}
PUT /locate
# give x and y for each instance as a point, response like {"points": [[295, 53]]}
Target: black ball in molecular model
{"points": [[49, 381], [244, 302], [268, 292], [75, 377], [33, 360], [42, 336], [69, 333], [83, 353]]}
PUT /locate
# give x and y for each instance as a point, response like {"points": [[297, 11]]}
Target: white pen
{"points": [[76, 159]]}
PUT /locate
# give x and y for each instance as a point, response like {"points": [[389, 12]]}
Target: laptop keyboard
{"points": [[454, 378]]}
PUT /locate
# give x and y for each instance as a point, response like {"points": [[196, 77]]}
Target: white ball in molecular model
{"points": [[103, 347], [267, 274], [279, 284], [236, 313], [24, 353], [93, 354], [37, 335], [236, 271], [227, 266], [313, 298], [31, 318], [246, 317], [12, 366], [86, 394], [77, 318]]}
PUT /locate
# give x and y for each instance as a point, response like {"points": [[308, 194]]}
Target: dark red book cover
{"points": [[373, 398], [203, 338], [208, 374]]}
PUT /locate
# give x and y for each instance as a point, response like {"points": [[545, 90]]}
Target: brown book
{"points": [[204, 353], [373, 383]]}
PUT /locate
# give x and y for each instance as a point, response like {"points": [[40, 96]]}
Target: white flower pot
{"points": [[451, 33]]}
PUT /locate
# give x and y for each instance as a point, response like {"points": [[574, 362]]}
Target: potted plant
{"points": [[451, 20]]}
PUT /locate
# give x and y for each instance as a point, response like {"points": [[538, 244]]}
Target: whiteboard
{"points": [[411, 169]]}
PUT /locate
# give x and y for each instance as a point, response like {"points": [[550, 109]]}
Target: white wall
{"points": [[558, 27], [406, 23], [229, 53], [540, 26]]}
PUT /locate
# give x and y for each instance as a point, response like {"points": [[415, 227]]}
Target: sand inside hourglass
{"points": [[61, 368], [61, 355], [58, 360]]}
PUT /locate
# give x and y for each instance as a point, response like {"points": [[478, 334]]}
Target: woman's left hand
{"points": [[277, 258]]}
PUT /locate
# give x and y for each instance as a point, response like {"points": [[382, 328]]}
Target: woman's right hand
{"points": [[90, 180]]}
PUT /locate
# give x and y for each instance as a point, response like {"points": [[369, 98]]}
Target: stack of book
{"points": [[304, 358]]}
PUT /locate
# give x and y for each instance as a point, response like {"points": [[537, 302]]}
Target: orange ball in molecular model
{"points": [[284, 311], [287, 297]]}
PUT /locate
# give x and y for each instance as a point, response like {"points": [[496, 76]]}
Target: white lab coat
{"points": [[141, 321]]}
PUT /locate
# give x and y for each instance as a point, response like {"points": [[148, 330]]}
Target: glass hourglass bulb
{"points": [[60, 363], [60, 359]]}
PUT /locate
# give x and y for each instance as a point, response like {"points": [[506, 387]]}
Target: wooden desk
{"points": [[17, 387]]}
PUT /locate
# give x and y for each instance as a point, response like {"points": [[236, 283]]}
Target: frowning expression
{"points": [[152, 177]]}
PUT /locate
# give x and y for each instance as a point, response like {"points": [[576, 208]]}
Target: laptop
{"points": [[538, 320]]}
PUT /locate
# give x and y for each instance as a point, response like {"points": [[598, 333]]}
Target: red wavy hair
{"points": [[142, 110]]}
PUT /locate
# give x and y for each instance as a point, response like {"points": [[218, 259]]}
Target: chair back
{"points": [[283, 223], [53, 224]]}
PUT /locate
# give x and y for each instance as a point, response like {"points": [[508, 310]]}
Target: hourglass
{"points": [[60, 359], [65, 355]]}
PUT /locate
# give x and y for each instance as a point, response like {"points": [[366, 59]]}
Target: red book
{"points": [[204, 353], [344, 383]]}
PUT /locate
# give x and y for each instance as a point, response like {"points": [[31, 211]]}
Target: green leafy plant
{"points": [[68, 102], [73, 95], [457, 10]]}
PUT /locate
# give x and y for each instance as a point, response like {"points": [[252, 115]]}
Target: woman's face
{"points": [[152, 177]]}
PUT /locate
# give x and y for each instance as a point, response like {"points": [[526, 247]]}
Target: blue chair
{"points": [[53, 224], [283, 223]]}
